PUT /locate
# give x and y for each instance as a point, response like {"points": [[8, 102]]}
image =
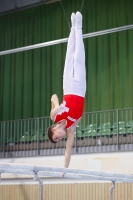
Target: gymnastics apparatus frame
{"points": [[39, 171]]}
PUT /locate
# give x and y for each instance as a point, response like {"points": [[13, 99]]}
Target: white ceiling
{"points": [[13, 5]]}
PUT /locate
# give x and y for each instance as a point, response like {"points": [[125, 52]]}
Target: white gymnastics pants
{"points": [[74, 77]]}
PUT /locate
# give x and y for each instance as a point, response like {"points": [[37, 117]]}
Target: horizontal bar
{"points": [[84, 174], [85, 177], [35, 46], [16, 171]]}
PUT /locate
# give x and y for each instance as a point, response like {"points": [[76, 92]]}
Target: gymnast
{"points": [[68, 114]]}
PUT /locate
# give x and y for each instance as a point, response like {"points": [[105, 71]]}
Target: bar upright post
{"points": [[36, 178], [111, 190], [40, 189]]}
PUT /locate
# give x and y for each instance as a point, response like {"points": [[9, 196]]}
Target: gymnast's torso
{"points": [[70, 110]]}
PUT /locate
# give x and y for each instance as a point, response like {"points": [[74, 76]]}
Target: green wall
{"points": [[28, 79]]}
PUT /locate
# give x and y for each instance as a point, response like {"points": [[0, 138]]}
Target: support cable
{"points": [[65, 14], [82, 5]]}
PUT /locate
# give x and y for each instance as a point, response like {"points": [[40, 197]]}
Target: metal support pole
{"points": [[76, 141], [111, 190], [44, 44], [40, 189], [117, 120], [36, 178]]}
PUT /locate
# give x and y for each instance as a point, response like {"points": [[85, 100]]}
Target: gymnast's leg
{"points": [[69, 62], [79, 58]]}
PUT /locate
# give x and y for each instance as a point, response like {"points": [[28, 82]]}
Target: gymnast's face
{"points": [[59, 131]]}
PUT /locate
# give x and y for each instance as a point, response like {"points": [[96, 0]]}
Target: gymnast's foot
{"points": [[73, 19], [78, 24]]}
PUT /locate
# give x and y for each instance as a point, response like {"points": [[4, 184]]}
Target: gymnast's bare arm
{"points": [[69, 143], [54, 106]]}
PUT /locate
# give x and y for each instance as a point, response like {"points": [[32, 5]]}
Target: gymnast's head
{"points": [[57, 131]]}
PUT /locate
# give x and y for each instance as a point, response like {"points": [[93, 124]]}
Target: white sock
{"points": [[78, 23], [73, 19]]}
